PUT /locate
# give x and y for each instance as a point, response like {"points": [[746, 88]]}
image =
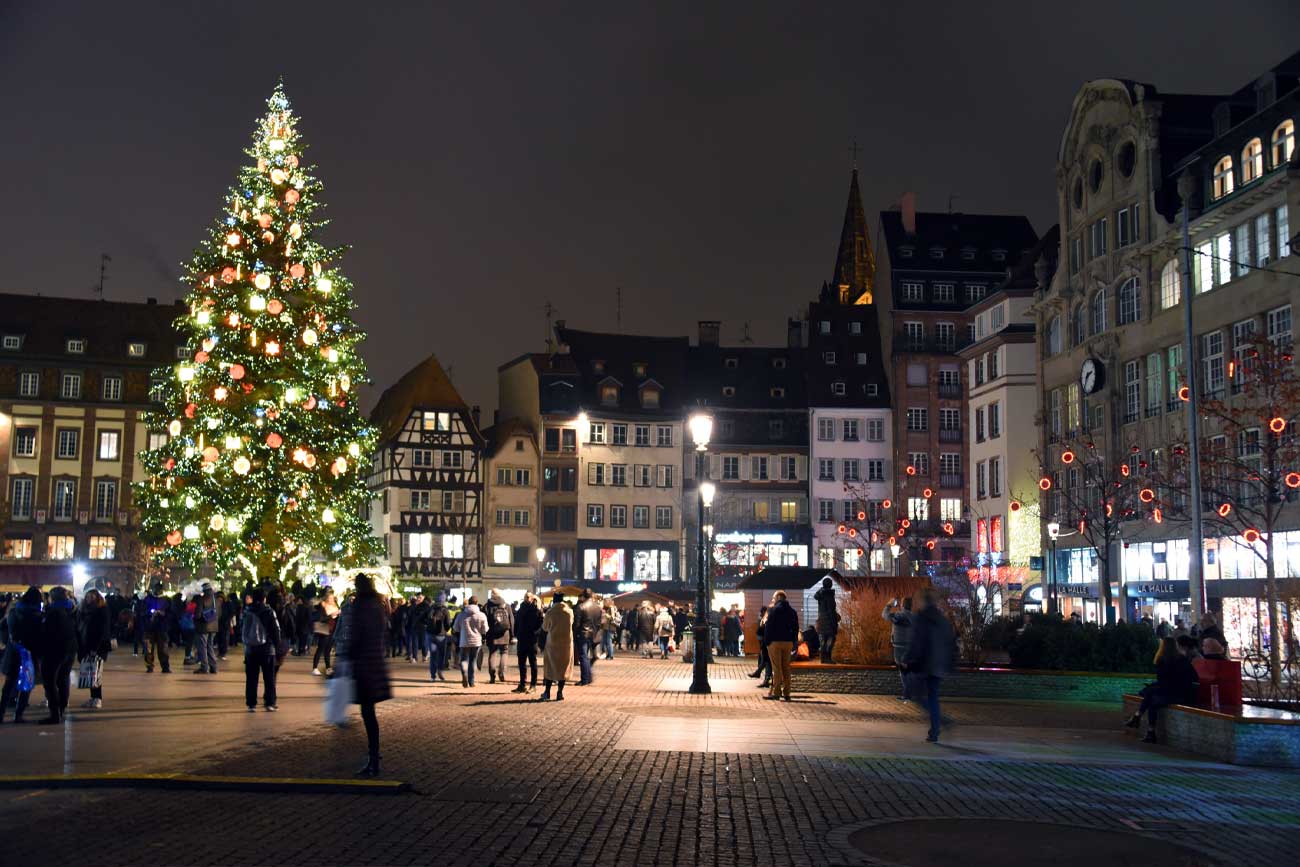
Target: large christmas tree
{"points": [[265, 463]]}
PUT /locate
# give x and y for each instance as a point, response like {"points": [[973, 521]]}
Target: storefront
{"points": [[612, 562]]}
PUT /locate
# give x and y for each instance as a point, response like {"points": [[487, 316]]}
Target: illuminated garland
{"points": [[267, 451]]}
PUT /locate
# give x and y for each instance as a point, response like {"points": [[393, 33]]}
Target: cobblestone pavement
{"points": [[602, 778]]}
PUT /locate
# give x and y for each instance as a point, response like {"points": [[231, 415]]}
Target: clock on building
{"points": [[1091, 376]]}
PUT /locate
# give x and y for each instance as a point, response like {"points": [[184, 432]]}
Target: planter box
{"points": [[1246, 735], [999, 683]]}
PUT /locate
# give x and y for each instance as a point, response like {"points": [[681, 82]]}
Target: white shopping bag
{"points": [[339, 695]]}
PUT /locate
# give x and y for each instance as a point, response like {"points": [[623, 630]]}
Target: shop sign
{"points": [[631, 586], [749, 538]]}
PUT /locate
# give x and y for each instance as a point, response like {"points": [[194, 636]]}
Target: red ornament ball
{"points": [[274, 440], [291, 196], [190, 409], [274, 306], [200, 357], [170, 465], [247, 387], [174, 538], [236, 371], [210, 454], [227, 275], [309, 403], [264, 220], [297, 271]]}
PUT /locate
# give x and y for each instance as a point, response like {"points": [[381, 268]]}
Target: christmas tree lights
{"points": [[264, 465]]}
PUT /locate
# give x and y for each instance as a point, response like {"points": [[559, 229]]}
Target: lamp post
{"points": [[540, 553], [701, 425], [894, 551], [1053, 533]]}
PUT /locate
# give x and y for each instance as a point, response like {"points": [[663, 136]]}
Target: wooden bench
{"points": [[1241, 735]]}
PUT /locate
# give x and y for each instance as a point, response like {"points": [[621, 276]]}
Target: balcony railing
{"points": [[949, 435], [931, 344], [951, 480], [949, 390]]}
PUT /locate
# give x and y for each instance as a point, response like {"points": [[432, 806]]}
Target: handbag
{"points": [[26, 670], [91, 673], [340, 693]]}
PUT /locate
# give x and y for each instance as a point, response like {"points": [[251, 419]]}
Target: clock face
{"points": [[1090, 376]]}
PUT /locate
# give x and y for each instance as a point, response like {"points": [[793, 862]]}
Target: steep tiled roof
{"points": [[983, 234], [425, 386], [46, 323], [598, 356]]}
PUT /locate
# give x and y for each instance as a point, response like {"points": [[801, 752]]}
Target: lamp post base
{"points": [[700, 666]]}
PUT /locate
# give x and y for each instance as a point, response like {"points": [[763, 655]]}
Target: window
{"points": [[1263, 252], [620, 435], [778, 363], [860, 358], [643, 475], [837, 388], [75, 346], [944, 292], [1173, 370], [852, 470], [18, 549], [135, 350], [596, 474], [1222, 258], [975, 291], [993, 364], [609, 395], [25, 442], [825, 470], [551, 439], [663, 517], [731, 363], [66, 443], [824, 327], [1126, 159], [12, 341], [618, 516], [760, 510], [945, 335], [1212, 360], [422, 458], [905, 252], [1072, 407], [1241, 250], [1155, 381], [65, 499], [1080, 320], [453, 501], [105, 499], [1243, 333], [418, 545], [421, 500], [641, 435], [825, 511], [850, 430], [1097, 238], [1282, 219], [1252, 160], [436, 421], [875, 470], [61, 547], [501, 554], [182, 351], [108, 445], [979, 425], [789, 468], [1222, 178], [1124, 220], [1278, 323], [871, 389], [936, 252], [570, 440], [29, 384], [641, 517], [666, 474], [848, 511], [568, 519], [1130, 301], [618, 475], [949, 464], [1099, 312], [1054, 412], [789, 511], [919, 461], [995, 420], [826, 429], [596, 432], [914, 335], [1283, 142], [918, 418], [968, 254], [918, 508], [757, 468], [70, 387], [851, 559], [502, 515], [949, 419], [855, 328], [452, 460], [453, 546], [730, 468], [20, 503], [112, 388], [1203, 267], [995, 477], [875, 430], [828, 357], [1054, 335], [1132, 391], [950, 509], [1170, 285], [595, 515], [1076, 254], [664, 436]]}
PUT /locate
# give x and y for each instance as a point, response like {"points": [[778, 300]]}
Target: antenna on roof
{"points": [[951, 198], [550, 338], [104, 259], [618, 310], [744, 337], [853, 154]]}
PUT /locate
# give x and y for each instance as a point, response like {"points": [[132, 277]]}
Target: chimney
{"points": [[909, 213], [474, 413], [710, 331], [151, 301], [793, 333]]}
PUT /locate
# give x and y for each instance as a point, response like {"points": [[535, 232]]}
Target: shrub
{"points": [[1051, 643]]}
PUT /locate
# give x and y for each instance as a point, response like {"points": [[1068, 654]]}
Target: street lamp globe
{"points": [[707, 490], [1053, 530], [541, 555], [701, 425], [894, 550]]}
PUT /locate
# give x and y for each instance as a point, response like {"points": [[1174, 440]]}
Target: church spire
{"points": [[855, 264]]}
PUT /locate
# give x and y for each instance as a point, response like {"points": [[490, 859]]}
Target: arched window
{"points": [[1054, 335], [1171, 288], [1223, 177], [1252, 160], [1099, 312], [1080, 325], [1283, 142], [1130, 301]]}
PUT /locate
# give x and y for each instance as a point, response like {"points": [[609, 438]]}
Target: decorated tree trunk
{"points": [[264, 465]]}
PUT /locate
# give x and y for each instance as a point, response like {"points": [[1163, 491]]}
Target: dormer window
{"points": [[135, 350], [1222, 178], [905, 252], [837, 388], [777, 391], [650, 395], [638, 368], [598, 366], [999, 255], [936, 252], [609, 395], [778, 363], [968, 254], [182, 351], [871, 389], [728, 391], [731, 363], [824, 326], [12, 341], [828, 357], [75, 346]]}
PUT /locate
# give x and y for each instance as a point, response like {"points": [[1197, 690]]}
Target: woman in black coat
{"points": [[366, 639], [58, 652], [528, 621], [94, 638], [23, 622]]}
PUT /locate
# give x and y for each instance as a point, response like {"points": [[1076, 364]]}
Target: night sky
{"points": [[482, 159]]}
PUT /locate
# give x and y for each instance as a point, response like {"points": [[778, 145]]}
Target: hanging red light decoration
{"points": [[1146, 495], [885, 504], [1277, 424], [1225, 509], [1015, 505], [947, 527], [840, 529], [1184, 394], [1083, 526], [1067, 457], [1251, 535], [906, 522], [927, 493], [911, 470], [893, 540], [1158, 515], [1292, 480], [853, 532], [1044, 484], [929, 544], [862, 516], [1109, 510]]}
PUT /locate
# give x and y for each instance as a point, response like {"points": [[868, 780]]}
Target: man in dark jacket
{"points": [[929, 656], [681, 622], [58, 652], [900, 638], [419, 624], [156, 623], [781, 632], [207, 614], [439, 624], [528, 622], [586, 622], [828, 619], [501, 627], [645, 625], [261, 637]]}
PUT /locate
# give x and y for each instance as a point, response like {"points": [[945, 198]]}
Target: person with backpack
{"points": [[324, 622], [929, 656], [439, 640], [260, 636], [663, 631], [501, 629], [208, 613], [22, 651], [473, 626], [156, 624], [528, 623]]}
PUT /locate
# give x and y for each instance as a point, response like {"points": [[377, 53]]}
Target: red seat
{"points": [[1226, 674]]}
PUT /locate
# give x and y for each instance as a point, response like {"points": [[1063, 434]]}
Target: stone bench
{"points": [[984, 683], [1243, 735]]}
